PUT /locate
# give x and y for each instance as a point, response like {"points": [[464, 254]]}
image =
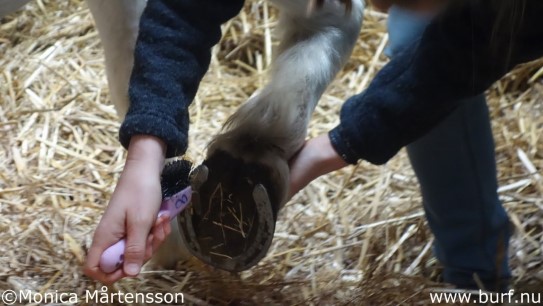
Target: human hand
{"points": [[132, 212], [317, 157]]}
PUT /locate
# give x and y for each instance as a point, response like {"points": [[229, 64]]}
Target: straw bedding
{"points": [[355, 237]]}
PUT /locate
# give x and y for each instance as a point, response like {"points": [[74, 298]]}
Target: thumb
{"points": [[138, 229]]}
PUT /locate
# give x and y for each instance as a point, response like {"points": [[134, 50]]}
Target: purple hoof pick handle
{"points": [[113, 257]]}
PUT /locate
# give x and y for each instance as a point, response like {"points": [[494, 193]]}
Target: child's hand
{"points": [[132, 212], [317, 157]]}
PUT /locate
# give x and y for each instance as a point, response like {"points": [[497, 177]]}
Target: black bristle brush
{"points": [[175, 177], [176, 195]]}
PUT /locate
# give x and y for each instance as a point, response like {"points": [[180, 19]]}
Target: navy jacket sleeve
{"points": [[172, 54], [461, 54]]}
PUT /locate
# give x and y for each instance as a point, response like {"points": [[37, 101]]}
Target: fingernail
{"points": [[132, 269], [164, 215]]}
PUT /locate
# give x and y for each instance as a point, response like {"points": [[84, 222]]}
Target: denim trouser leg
{"points": [[456, 167]]}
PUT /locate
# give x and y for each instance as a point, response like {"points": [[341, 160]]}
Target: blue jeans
{"points": [[456, 167]]}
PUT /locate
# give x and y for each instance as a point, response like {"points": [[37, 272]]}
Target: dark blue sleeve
{"points": [[173, 52], [461, 54]]}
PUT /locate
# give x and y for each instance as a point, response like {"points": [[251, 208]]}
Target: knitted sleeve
{"points": [[461, 54], [172, 54]]}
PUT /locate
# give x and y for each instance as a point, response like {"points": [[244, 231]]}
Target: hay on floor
{"points": [[357, 236]]}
